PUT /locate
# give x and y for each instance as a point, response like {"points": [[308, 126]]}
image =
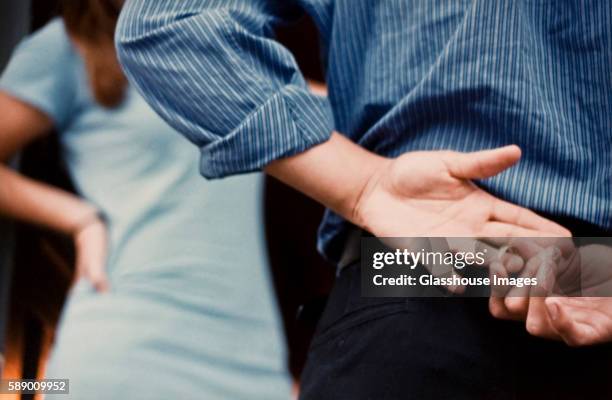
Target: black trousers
{"points": [[442, 348]]}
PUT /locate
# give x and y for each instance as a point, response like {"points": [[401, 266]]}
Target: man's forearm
{"points": [[333, 173], [416, 194]]}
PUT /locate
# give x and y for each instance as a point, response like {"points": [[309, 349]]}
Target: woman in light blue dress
{"points": [[188, 310]]}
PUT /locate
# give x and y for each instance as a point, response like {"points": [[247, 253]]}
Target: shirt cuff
{"points": [[290, 122]]}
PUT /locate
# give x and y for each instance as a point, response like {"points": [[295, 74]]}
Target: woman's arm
{"points": [[22, 198], [30, 201], [41, 204], [20, 125]]}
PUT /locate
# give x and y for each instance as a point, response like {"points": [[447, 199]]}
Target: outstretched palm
{"points": [[431, 194]]}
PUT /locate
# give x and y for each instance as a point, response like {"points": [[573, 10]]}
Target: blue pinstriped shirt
{"points": [[403, 75]]}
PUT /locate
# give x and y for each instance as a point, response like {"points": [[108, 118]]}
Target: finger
{"points": [[517, 301], [100, 282], [562, 320], [538, 321], [568, 275], [546, 272], [505, 230], [95, 275], [504, 211], [540, 266], [482, 164], [80, 270], [498, 303], [497, 306], [579, 315], [517, 306], [512, 263], [498, 309], [526, 247], [502, 254], [504, 250], [497, 272], [585, 303], [565, 244]]}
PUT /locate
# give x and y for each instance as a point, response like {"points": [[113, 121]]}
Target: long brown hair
{"points": [[91, 25]]}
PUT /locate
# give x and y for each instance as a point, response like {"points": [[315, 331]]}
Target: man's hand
{"points": [[431, 194], [585, 320], [581, 321], [417, 194], [553, 263], [562, 269]]}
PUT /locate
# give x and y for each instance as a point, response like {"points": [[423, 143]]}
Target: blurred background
{"points": [[36, 265]]}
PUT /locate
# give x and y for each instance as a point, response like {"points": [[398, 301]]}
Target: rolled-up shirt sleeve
{"points": [[214, 72]]}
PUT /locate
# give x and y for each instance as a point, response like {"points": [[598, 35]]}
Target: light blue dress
{"points": [[192, 313]]}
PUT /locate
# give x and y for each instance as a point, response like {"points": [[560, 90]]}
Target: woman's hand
{"points": [[41, 204], [91, 244], [431, 194]]}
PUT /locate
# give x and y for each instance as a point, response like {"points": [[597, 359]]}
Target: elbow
{"points": [[140, 20], [144, 31]]}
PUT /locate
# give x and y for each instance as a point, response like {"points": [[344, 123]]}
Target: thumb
{"points": [[483, 164], [563, 323]]}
